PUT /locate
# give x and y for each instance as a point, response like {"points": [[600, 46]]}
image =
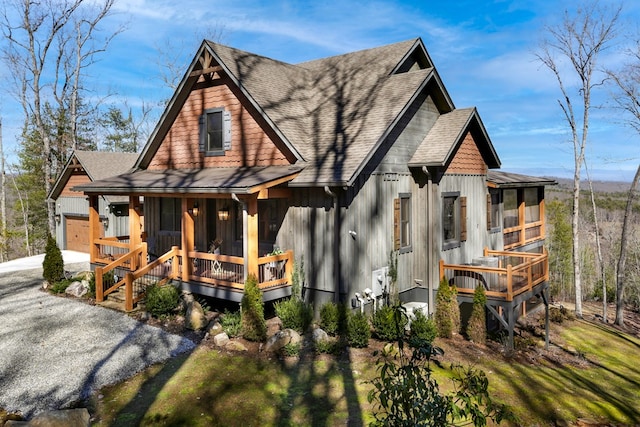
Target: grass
{"points": [[209, 387]]}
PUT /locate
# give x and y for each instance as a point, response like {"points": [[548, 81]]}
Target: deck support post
{"points": [[546, 318], [252, 236], [135, 232], [512, 325], [187, 239]]}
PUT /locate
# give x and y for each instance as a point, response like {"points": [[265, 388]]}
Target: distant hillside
{"points": [[598, 186]]}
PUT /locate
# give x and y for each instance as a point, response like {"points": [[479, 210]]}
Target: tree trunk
{"points": [[575, 230], [623, 252], [598, 248], [4, 249]]}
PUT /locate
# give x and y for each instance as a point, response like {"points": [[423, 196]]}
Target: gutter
{"points": [[336, 242]]}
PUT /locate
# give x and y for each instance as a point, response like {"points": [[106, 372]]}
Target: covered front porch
{"points": [[207, 238]]}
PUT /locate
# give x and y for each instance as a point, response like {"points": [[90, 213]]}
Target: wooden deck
{"points": [[515, 273]]}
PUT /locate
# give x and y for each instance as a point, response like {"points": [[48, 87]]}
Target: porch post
{"points": [[135, 231], [94, 227], [187, 239], [251, 257]]}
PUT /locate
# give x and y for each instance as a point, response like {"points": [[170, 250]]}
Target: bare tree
{"points": [[49, 43], [579, 40], [627, 98], [4, 245]]}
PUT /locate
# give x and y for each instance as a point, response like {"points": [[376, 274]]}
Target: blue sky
{"points": [[483, 50]]}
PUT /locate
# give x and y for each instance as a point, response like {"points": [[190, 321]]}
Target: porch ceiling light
{"points": [[223, 214]]}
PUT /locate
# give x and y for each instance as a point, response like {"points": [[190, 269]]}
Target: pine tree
{"points": [[477, 326], [53, 264]]}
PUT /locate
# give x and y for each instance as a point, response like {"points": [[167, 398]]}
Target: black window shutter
{"points": [[463, 219], [203, 133], [226, 130]]}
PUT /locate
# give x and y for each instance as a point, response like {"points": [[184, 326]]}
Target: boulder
{"points": [[214, 328], [221, 339], [83, 275], [274, 325], [77, 288], [235, 346], [195, 317], [319, 335], [282, 338]]}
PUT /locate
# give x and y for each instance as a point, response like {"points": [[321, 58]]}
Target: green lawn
{"points": [[210, 387]]}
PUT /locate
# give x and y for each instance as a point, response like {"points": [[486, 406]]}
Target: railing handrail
{"points": [[111, 242], [216, 257]]}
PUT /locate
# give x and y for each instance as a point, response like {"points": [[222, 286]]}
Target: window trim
{"points": [[225, 116], [176, 215], [405, 246], [494, 226], [457, 241]]}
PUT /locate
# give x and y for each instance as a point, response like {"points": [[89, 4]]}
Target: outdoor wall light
{"points": [[58, 218], [195, 211], [105, 223], [223, 214]]}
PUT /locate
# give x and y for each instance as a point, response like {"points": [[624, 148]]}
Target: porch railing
{"points": [[107, 283], [516, 273], [111, 248], [227, 270]]}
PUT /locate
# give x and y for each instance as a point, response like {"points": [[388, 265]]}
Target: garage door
{"points": [[77, 234]]}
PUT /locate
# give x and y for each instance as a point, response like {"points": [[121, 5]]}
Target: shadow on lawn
{"points": [[563, 392]]}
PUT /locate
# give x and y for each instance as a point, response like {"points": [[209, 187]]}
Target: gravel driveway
{"points": [[55, 351]]}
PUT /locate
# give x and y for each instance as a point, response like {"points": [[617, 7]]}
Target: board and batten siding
{"points": [[474, 188]]}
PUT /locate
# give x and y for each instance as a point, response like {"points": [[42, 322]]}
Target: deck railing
{"points": [[523, 234], [516, 273], [107, 283]]}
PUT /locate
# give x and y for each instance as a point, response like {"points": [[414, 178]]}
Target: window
{"points": [[531, 205], [270, 216], [510, 208], [215, 132], [493, 210], [454, 220], [170, 214], [402, 223]]}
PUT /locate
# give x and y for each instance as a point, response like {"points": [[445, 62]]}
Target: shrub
{"points": [[295, 314], [447, 311], [328, 347], [60, 286], [161, 300], [290, 350], [91, 293], [330, 318], [405, 393], [254, 327], [358, 332], [389, 323], [477, 326], [231, 322], [423, 328], [53, 264]]}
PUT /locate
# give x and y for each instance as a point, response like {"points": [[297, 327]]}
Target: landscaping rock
{"points": [[319, 335], [63, 418], [274, 325], [83, 275], [77, 288], [221, 339], [6, 416], [235, 346], [282, 338], [45, 284], [195, 317], [214, 328]]}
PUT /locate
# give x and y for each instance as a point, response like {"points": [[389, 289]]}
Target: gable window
{"points": [[454, 220], [402, 223], [215, 131], [170, 214]]}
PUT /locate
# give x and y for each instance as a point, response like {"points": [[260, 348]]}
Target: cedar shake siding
{"points": [[467, 159], [250, 144], [75, 179]]}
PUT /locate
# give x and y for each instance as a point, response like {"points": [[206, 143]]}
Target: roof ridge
{"points": [[356, 52]]}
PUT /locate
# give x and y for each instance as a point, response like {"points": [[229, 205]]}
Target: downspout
{"points": [[245, 235], [336, 242], [430, 230]]}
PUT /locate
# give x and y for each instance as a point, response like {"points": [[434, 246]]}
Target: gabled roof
{"points": [[332, 114], [98, 165], [439, 146], [502, 179]]}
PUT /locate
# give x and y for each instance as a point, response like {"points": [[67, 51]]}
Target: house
{"points": [[72, 207], [340, 165]]}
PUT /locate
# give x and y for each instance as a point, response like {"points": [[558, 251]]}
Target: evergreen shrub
{"points": [[254, 326], [330, 318], [358, 331], [295, 314], [231, 322], [53, 264], [161, 300], [477, 326], [423, 328], [389, 323]]}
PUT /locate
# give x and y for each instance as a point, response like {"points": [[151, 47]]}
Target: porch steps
{"points": [[116, 300]]}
